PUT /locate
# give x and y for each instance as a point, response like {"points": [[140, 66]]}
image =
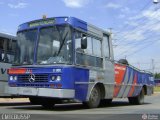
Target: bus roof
{"points": [[74, 22], [5, 35]]}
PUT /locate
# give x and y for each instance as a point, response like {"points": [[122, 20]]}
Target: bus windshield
{"points": [[54, 45], [25, 47], [48, 45]]}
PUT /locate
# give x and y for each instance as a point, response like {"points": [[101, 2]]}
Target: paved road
{"points": [[77, 111]]}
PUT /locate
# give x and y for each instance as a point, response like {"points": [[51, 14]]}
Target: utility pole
{"points": [[125, 57], [110, 30], [111, 35], [156, 2], [138, 65], [153, 66]]}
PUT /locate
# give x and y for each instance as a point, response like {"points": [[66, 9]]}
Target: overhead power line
{"points": [[139, 11], [140, 49]]}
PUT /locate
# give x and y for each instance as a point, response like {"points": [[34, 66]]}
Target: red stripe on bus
{"points": [[120, 71]]}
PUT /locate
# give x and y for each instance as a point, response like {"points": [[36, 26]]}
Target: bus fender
{"points": [[100, 86]]}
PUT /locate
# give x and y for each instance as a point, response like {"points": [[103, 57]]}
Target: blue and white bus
{"points": [[67, 58]]}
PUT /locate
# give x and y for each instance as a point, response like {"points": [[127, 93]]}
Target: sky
{"points": [[135, 24]]}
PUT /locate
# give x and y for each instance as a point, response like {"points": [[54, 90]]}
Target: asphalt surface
{"points": [[119, 109]]}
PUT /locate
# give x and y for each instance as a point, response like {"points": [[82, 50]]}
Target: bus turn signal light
{"points": [[17, 71]]}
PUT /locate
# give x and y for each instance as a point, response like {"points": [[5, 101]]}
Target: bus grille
{"points": [[33, 85], [38, 78]]}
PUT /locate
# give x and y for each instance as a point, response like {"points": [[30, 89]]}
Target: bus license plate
{"points": [[28, 91]]}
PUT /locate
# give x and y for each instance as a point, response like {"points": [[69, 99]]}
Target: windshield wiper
{"points": [[63, 40], [62, 43]]}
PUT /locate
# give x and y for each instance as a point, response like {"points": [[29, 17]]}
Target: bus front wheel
{"points": [[94, 99]]}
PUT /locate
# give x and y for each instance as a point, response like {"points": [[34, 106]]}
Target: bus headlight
{"points": [[58, 78], [15, 78], [11, 78], [53, 78]]}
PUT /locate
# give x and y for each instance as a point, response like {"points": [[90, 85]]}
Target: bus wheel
{"points": [[94, 99], [138, 100]]}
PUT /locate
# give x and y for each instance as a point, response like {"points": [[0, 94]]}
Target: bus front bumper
{"points": [[42, 92]]}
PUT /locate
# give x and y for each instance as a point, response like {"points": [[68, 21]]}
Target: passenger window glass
{"points": [[97, 47], [106, 46], [1, 49], [89, 46], [90, 56], [78, 40], [7, 50], [11, 51]]}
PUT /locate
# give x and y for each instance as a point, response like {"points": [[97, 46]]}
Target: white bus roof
{"points": [[5, 35]]}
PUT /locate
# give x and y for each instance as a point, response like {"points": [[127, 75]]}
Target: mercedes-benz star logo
{"points": [[31, 78]]}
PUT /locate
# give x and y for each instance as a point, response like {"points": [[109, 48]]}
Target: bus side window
{"points": [[97, 47], [1, 49], [106, 46], [89, 49], [6, 47], [78, 42], [83, 41], [9, 50]]}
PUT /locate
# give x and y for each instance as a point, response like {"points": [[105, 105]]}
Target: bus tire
{"points": [[138, 100], [94, 99]]}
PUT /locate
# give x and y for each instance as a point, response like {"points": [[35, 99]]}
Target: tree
{"points": [[157, 75]]}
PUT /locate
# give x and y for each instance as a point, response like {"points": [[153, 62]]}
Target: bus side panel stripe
{"points": [[128, 87], [120, 72], [133, 86], [120, 94]]}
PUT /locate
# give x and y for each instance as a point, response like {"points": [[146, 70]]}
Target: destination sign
{"points": [[42, 22]]}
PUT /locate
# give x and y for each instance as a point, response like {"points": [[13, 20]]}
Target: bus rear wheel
{"points": [[138, 100], [94, 99]]}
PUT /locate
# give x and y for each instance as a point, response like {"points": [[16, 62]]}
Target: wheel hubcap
{"points": [[94, 96]]}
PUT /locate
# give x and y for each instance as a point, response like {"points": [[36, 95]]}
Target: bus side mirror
{"points": [[84, 42]]}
